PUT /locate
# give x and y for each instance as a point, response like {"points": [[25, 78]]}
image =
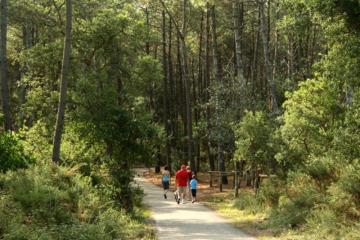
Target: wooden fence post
{"points": [[220, 181]]}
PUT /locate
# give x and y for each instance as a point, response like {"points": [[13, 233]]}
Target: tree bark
{"points": [[218, 78], [187, 90], [200, 91], [5, 93], [237, 34], [254, 65], [147, 44], [269, 78], [172, 97], [238, 101], [206, 88], [27, 43], [275, 43], [180, 90], [166, 95], [63, 84]]}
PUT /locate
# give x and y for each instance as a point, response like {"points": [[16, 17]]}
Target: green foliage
{"points": [[308, 120], [51, 202], [295, 205], [348, 9], [146, 77], [248, 202], [252, 138], [12, 154], [37, 141], [1, 119], [116, 98], [324, 222], [271, 191], [347, 135]]}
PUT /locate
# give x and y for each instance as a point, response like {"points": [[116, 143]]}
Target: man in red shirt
{"points": [[181, 183]]}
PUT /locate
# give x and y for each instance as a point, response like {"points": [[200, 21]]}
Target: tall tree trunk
{"points": [[172, 98], [207, 85], [181, 33], [195, 104], [200, 91], [3, 67], [218, 78], [290, 57], [27, 43], [200, 63], [187, 89], [237, 34], [147, 44], [254, 65], [180, 93], [269, 78], [166, 95], [63, 84], [275, 42]]}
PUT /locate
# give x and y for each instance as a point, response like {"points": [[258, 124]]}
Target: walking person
{"points": [[181, 183], [188, 191], [193, 187], [166, 180]]}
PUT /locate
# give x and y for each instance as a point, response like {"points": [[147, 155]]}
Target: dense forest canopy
{"points": [[98, 87]]}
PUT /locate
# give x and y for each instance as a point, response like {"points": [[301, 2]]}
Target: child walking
{"points": [[193, 187], [166, 180]]}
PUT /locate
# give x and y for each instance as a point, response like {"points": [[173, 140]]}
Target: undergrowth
{"points": [[50, 202]]}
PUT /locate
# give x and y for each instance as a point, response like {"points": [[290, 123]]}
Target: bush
{"points": [[324, 223], [294, 207], [271, 191], [321, 169], [350, 179], [51, 202], [12, 155], [249, 202], [344, 194]]}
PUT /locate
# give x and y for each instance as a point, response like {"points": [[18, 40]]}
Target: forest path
{"points": [[185, 221]]}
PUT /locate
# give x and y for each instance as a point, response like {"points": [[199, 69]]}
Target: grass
{"points": [[143, 214], [245, 219]]}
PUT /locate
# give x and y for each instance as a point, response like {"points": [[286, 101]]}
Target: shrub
{"points": [[300, 198], [249, 202], [271, 191], [12, 155], [323, 221], [51, 202], [350, 179]]}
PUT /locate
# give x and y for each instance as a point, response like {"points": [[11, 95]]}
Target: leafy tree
{"points": [[308, 121], [252, 141]]}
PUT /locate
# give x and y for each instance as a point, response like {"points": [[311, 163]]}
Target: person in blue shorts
{"points": [[166, 180], [193, 187]]}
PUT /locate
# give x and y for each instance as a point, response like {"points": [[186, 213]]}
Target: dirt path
{"points": [[185, 221]]}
